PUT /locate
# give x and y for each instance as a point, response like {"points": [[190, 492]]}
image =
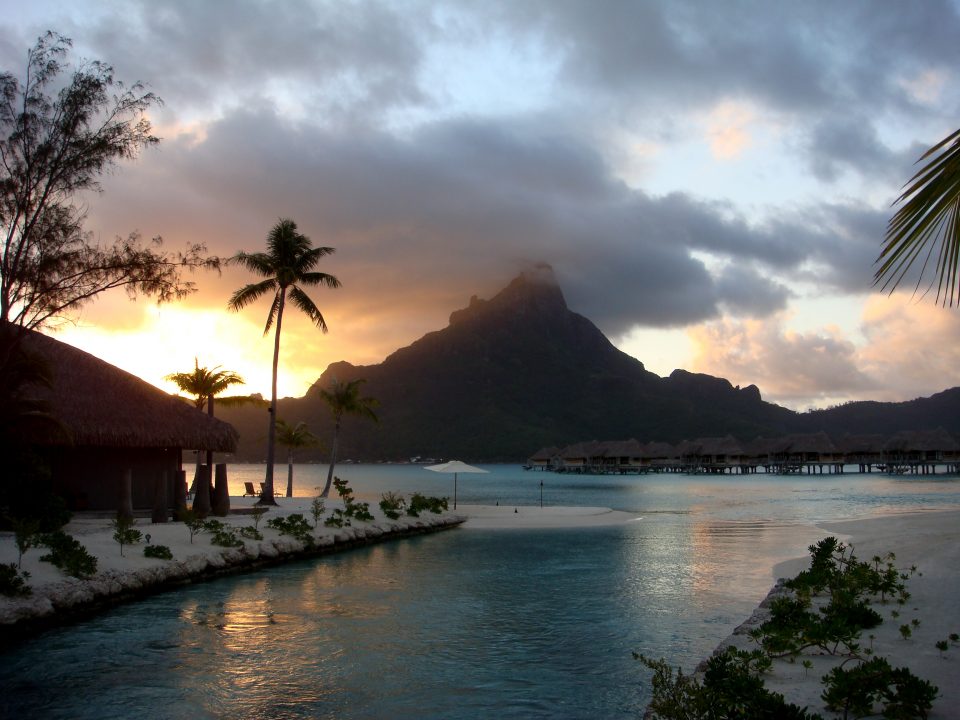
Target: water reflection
{"points": [[460, 624]]}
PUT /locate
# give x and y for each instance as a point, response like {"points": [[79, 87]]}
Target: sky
{"points": [[710, 181]]}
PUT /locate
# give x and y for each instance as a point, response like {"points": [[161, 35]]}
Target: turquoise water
{"points": [[462, 624]]}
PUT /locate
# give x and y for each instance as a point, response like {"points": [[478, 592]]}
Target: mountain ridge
{"points": [[520, 371]]}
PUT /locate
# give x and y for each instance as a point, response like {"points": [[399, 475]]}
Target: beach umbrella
{"points": [[456, 467]]}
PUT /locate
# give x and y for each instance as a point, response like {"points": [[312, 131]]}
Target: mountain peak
{"points": [[535, 289]]}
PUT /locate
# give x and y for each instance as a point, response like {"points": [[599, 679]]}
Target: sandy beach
{"points": [[931, 542]]}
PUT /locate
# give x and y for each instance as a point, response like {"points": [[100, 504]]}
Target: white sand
{"points": [[929, 540], [53, 590]]}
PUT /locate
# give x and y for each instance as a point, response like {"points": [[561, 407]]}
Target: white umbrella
{"points": [[455, 467]]}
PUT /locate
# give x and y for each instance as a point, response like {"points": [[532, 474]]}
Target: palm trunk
{"points": [[290, 473], [266, 498], [209, 452], [333, 459]]}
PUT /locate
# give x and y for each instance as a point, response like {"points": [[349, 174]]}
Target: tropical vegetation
{"points": [[294, 437], [344, 399], [204, 385], [287, 266]]}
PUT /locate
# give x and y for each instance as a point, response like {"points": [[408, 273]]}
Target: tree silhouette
{"points": [[288, 263]]}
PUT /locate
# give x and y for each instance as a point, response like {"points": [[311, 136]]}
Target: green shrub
{"points": [[855, 691], [193, 521], [392, 505], [251, 533], [338, 518], [317, 508], [13, 581], [123, 531], [157, 551], [68, 554], [731, 688], [418, 503], [295, 526], [26, 535], [222, 535]]}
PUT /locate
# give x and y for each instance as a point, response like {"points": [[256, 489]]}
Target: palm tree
{"points": [[288, 263], [205, 384], [293, 437], [344, 399], [928, 220]]}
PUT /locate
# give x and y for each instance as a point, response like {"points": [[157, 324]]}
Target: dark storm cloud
{"points": [[461, 207], [430, 215]]}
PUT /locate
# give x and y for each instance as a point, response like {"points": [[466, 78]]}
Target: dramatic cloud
{"points": [[677, 163], [788, 367]]}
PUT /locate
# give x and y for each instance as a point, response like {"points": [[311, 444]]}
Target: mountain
{"points": [[514, 373]]}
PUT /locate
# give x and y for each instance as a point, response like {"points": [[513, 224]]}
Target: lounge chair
{"points": [[248, 490]]}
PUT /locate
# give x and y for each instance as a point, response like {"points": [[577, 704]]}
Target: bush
{"points": [[731, 688], [68, 554], [392, 505], [193, 522], [124, 533], [856, 690], [158, 551], [223, 535], [419, 503], [13, 581], [294, 525], [251, 533]]}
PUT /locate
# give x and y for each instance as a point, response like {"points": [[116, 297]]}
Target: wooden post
{"points": [[179, 491], [125, 509], [161, 510], [221, 492]]}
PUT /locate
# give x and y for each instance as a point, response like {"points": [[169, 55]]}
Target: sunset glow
{"points": [[711, 187]]}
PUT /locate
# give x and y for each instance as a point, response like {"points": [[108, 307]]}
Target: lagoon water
{"points": [[461, 624]]}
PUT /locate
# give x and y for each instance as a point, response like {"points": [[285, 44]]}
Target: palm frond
{"points": [[251, 293], [274, 310], [926, 225], [299, 298], [319, 278], [259, 263]]}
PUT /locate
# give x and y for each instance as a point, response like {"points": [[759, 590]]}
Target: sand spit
{"points": [[57, 598], [931, 542]]}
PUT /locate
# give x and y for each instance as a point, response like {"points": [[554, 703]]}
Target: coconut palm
{"points": [[205, 384], [927, 221], [344, 399], [293, 437], [288, 263]]}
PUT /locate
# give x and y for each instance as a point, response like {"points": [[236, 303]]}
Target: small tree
{"points": [[52, 148], [293, 437], [124, 532], [344, 399]]}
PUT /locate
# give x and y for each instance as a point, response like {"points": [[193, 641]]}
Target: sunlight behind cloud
{"points": [[169, 338], [728, 129]]}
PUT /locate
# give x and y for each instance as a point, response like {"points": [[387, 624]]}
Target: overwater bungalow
{"points": [[546, 458], [120, 429], [921, 451]]}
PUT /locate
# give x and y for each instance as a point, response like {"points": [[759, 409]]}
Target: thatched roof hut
{"points": [[105, 406], [126, 437]]}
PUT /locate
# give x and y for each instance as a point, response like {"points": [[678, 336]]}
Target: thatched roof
{"points": [[922, 441], [105, 406], [622, 449], [720, 446], [547, 453]]}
